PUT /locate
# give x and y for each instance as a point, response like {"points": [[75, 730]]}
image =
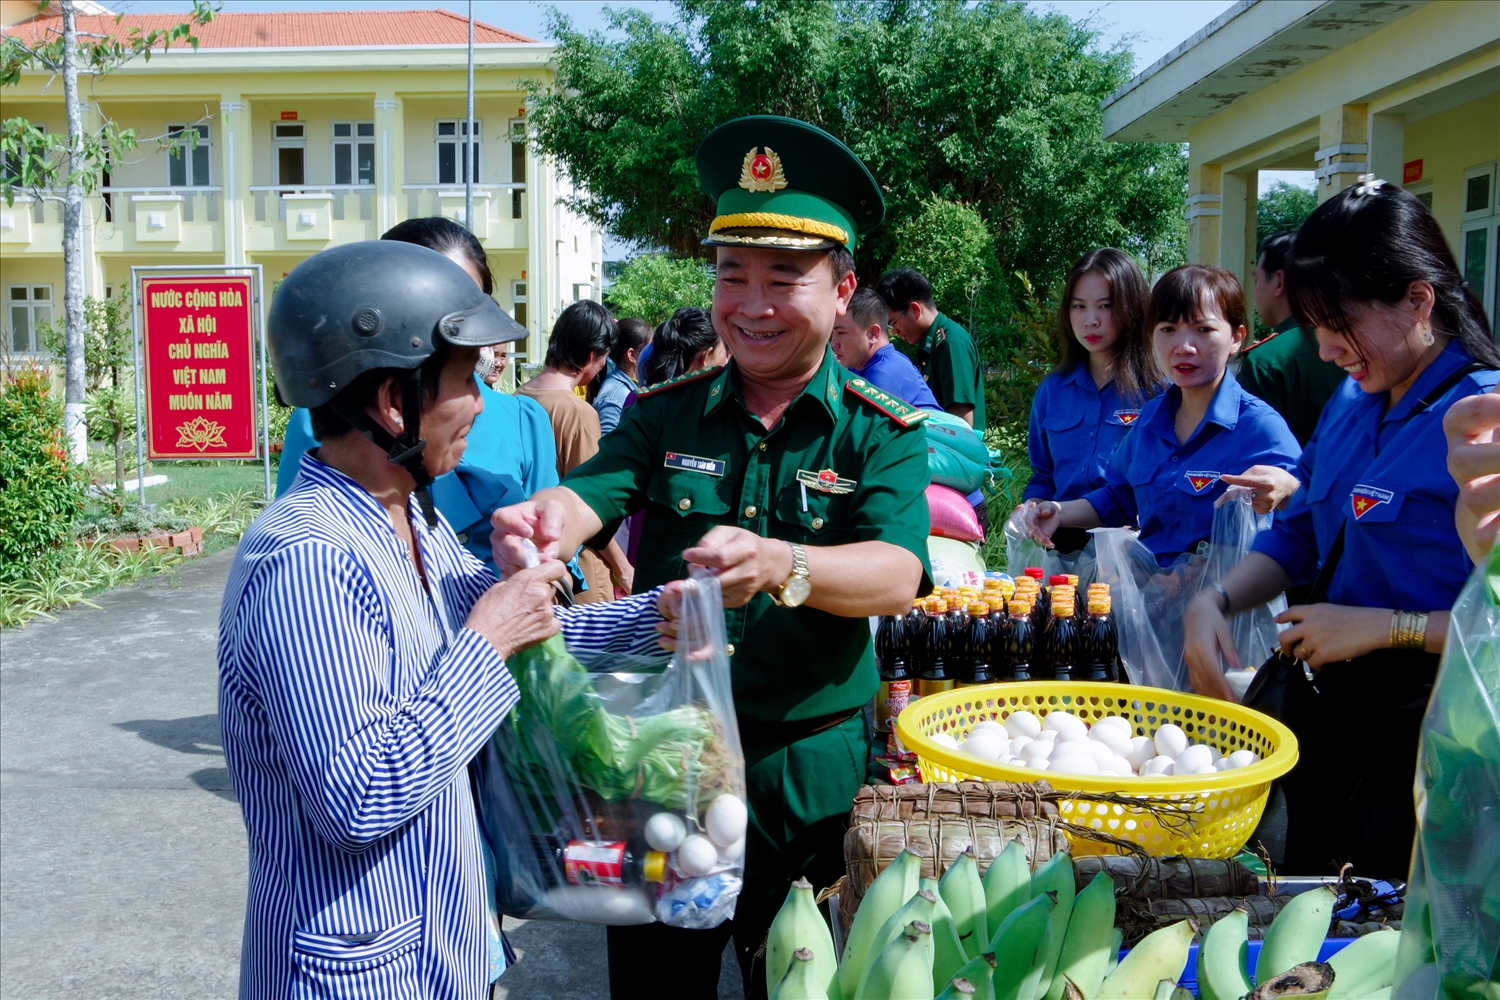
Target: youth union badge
{"points": [[1364, 499], [1201, 481]]}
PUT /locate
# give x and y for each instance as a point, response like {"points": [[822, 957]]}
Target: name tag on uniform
{"points": [[692, 463]]}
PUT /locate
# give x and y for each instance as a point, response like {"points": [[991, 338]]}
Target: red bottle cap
{"points": [[1035, 572], [1060, 580]]}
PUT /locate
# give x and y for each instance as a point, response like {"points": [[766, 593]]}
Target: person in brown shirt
{"points": [[579, 346]]}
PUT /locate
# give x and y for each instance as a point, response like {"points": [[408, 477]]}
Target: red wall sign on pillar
{"points": [[1411, 171], [198, 351]]}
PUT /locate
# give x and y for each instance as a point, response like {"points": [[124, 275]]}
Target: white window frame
{"points": [[29, 304], [278, 143], [1483, 218], [188, 155], [517, 195], [354, 140], [518, 349], [457, 139]]}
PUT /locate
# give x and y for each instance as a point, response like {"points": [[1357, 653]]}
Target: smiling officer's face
{"points": [[775, 309]]}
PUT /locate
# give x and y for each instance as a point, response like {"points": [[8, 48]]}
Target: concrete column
{"points": [[390, 160], [1343, 148], [1237, 224], [1387, 146], [235, 147], [1203, 211]]}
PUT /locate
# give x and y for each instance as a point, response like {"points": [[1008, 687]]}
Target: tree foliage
{"points": [[949, 243], [40, 492], [653, 286], [109, 366], [1283, 207], [990, 105]]}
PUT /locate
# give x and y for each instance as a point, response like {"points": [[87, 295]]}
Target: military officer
{"points": [[946, 353], [800, 484]]}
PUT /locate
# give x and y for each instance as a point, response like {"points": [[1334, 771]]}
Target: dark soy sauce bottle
{"points": [[1019, 645], [1060, 643]]}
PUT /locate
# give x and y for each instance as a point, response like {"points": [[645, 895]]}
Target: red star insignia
{"points": [[761, 167]]}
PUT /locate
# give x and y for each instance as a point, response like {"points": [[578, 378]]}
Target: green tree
{"points": [[109, 374], [653, 286], [40, 492], [949, 243], [1283, 207], [991, 105], [39, 162]]}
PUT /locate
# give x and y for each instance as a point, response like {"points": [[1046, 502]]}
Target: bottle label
{"points": [[925, 688], [588, 862], [893, 697]]}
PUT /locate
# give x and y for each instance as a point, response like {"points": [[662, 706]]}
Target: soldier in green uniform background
{"points": [[797, 482], [945, 352]]}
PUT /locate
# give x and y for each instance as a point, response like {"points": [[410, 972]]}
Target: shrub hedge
{"points": [[41, 493]]}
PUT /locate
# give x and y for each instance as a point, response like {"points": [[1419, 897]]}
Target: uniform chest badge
{"points": [[1127, 417], [1364, 499], [825, 481], [1201, 481], [761, 172], [693, 463]]}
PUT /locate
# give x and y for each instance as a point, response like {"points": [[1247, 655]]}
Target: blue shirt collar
{"points": [[1449, 361], [874, 359], [1223, 411]]}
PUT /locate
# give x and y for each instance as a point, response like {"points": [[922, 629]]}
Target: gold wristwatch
{"points": [[797, 587]]}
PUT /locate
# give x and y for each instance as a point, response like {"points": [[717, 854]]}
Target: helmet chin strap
{"points": [[406, 450]]}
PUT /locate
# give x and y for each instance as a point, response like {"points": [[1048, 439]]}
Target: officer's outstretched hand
{"points": [[517, 612], [745, 563], [538, 521], [1474, 463]]}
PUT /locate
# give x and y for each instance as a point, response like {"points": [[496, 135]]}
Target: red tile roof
{"points": [[323, 29]]}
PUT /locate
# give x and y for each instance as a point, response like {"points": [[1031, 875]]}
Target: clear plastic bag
{"points": [[1021, 552], [1150, 603], [1450, 934], [614, 792]]}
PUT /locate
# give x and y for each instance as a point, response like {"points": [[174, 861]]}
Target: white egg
{"points": [[1064, 722], [1215, 753], [1157, 767], [1038, 763], [1205, 769], [1018, 744], [1243, 758], [1111, 737], [1075, 764], [725, 820], [990, 725], [984, 745], [665, 831], [1013, 761], [1116, 722], [1036, 750], [732, 854], [697, 856], [1072, 736], [1022, 724], [1099, 752], [943, 739], [1118, 765], [1194, 757], [1141, 750], [1049, 735], [1222, 764], [1170, 741]]}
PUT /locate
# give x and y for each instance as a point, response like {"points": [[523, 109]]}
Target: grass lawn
{"points": [[205, 479]]}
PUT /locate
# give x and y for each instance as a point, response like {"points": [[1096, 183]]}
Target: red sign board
{"points": [[289, 116], [199, 378], [1411, 171]]}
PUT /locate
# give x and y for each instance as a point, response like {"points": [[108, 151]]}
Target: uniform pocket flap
{"points": [[364, 949], [822, 510], [1061, 418], [688, 492], [1374, 504]]}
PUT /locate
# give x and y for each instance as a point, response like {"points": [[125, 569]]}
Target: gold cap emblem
{"points": [[761, 171]]}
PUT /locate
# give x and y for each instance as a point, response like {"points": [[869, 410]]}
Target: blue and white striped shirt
{"points": [[351, 702]]}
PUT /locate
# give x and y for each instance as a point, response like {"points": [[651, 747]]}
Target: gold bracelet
{"points": [[1409, 630]]}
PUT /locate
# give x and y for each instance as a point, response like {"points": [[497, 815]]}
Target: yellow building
{"points": [[314, 129], [1406, 89]]}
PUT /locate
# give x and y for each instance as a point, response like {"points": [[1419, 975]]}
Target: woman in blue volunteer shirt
{"points": [[1373, 275], [510, 453], [1191, 442], [1107, 373]]}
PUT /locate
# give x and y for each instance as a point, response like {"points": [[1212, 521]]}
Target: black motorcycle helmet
{"points": [[379, 304]]}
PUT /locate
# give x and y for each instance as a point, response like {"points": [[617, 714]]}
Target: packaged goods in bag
{"points": [[951, 515], [614, 792], [957, 456]]}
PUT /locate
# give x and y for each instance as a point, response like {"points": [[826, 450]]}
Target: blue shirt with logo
{"points": [[1384, 478], [1170, 488], [894, 372], [1075, 427]]}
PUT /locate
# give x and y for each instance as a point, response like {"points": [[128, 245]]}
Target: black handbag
{"points": [[1280, 688]]}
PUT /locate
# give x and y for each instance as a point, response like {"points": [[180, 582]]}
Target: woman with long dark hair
{"points": [[685, 343], [1372, 274]]}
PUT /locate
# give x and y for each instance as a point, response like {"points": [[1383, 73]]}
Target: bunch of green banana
{"points": [[948, 955], [1223, 958], [1168, 989], [1019, 947], [918, 908], [890, 890], [799, 925], [803, 979], [1055, 876], [959, 989], [1365, 967], [1296, 934], [1162, 954], [1088, 943], [963, 891], [903, 970], [980, 975], [1007, 884]]}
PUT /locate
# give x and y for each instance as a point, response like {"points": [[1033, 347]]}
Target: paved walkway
{"points": [[122, 853]]}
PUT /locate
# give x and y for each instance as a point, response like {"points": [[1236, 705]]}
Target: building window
{"points": [[29, 306], [354, 153], [289, 142], [518, 301], [187, 163], [517, 164], [582, 291], [1479, 235], [452, 144], [10, 167]]}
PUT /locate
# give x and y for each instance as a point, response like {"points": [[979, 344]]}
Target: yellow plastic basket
{"points": [[1204, 816]]}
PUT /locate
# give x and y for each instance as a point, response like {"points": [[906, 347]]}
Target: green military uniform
{"points": [[1285, 370], [950, 363], [846, 463]]}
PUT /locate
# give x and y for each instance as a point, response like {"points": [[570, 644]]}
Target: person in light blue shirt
{"points": [[1372, 275], [632, 337], [1193, 441]]}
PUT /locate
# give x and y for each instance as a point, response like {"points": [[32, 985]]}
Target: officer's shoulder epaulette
{"points": [[671, 383], [897, 409]]}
